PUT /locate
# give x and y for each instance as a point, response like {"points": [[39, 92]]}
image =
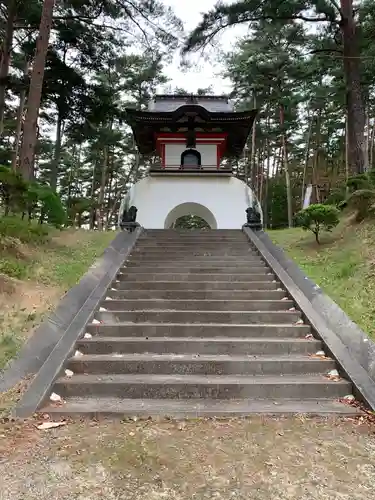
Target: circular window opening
{"points": [[190, 214]]}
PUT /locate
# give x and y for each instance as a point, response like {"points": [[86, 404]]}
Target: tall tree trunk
{"points": [[316, 162], [354, 99], [265, 198], [286, 168], [20, 111], [371, 146], [254, 178], [5, 57], [93, 210], [101, 208], [109, 193], [347, 166], [307, 157], [57, 152], [35, 92], [278, 161], [367, 141]]}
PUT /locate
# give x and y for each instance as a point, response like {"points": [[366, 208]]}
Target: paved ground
{"points": [[257, 459]]}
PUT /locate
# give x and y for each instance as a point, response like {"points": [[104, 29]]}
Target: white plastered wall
{"points": [[161, 200]]}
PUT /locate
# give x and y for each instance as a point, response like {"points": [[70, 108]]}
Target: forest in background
{"points": [[68, 69]]}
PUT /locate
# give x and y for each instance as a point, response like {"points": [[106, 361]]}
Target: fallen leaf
{"points": [[50, 425], [55, 397], [349, 398], [333, 375]]}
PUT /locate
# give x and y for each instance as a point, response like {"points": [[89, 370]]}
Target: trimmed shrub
{"points": [[363, 202], [51, 206], [317, 218]]}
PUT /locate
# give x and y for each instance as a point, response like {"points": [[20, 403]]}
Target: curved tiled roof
{"points": [[145, 125]]}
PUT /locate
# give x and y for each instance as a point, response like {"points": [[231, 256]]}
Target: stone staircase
{"points": [[196, 324]]}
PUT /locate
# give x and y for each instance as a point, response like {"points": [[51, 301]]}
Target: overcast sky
{"points": [[204, 74]]}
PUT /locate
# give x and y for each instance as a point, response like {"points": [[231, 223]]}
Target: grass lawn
{"points": [[33, 279], [343, 266]]}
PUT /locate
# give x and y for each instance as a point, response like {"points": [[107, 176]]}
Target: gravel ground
{"points": [[257, 459]]}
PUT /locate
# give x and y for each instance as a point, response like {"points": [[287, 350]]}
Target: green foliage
{"points": [[317, 218], [13, 190], [362, 195], [19, 196], [9, 345], [76, 207], [191, 222], [336, 197], [21, 229], [357, 182], [277, 204], [51, 205], [363, 201], [14, 268]]}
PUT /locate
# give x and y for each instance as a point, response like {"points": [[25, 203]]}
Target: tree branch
{"points": [[317, 51], [189, 46]]}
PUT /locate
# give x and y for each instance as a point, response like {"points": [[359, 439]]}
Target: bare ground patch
{"points": [[257, 459]]}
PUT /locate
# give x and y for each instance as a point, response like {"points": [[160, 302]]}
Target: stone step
{"points": [[195, 285], [192, 246], [237, 317], [198, 249], [167, 259], [193, 345], [190, 232], [203, 364], [197, 305], [211, 242], [201, 386], [169, 254], [197, 294], [140, 276], [193, 264], [214, 234], [195, 408], [195, 240], [176, 269], [279, 337]]}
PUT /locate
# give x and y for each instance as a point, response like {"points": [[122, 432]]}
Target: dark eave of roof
{"points": [[189, 97], [135, 115], [145, 124]]}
